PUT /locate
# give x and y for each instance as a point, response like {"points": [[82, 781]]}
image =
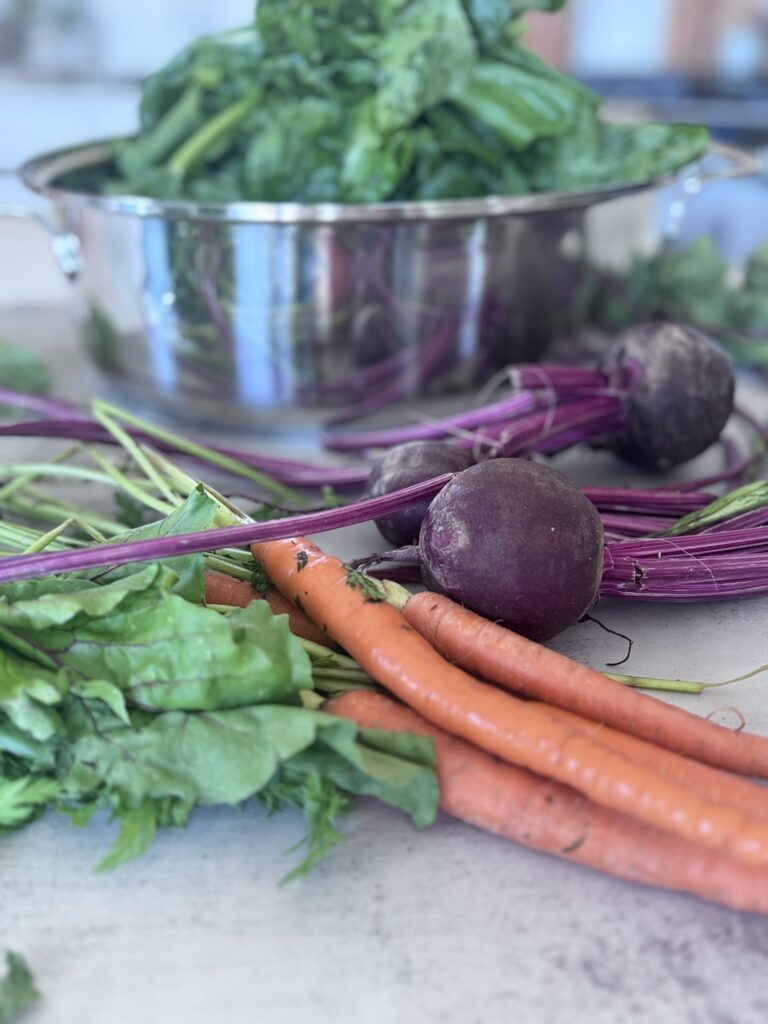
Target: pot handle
{"points": [[720, 163], [65, 244], [727, 162]]}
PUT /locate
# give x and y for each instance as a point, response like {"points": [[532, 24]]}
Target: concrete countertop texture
{"points": [[443, 926]]}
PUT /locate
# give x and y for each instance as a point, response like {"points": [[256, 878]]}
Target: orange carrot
{"points": [[489, 650], [343, 603], [547, 816], [702, 779], [223, 589]]}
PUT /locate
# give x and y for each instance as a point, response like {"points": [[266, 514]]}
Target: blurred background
{"points": [[70, 71]]}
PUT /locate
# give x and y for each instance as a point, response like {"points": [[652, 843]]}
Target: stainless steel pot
{"points": [[267, 315]]}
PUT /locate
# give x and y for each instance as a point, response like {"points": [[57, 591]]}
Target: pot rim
{"points": [[41, 173]]}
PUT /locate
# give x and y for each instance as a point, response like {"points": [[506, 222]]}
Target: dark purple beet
{"points": [[406, 464], [517, 542], [680, 389]]}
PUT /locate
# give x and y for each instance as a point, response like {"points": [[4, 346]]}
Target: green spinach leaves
{"points": [[342, 101]]}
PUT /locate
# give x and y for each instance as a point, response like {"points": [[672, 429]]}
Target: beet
{"points": [[661, 395], [679, 393], [407, 464], [517, 542]]}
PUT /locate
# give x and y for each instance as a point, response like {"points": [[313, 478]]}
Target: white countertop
{"points": [[445, 926]]}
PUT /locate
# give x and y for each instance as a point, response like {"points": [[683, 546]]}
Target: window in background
{"points": [[137, 38], [47, 38], [719, 39], [85, 39], [607, 39], [710, 40], [69, 69]]}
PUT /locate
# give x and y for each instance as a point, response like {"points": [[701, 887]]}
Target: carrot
{"points": [[347, 606], [547, 816], [510, 660], [702, 779], [223, 589]]}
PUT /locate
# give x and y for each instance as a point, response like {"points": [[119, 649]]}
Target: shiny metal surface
{"points": [[267, 316]]}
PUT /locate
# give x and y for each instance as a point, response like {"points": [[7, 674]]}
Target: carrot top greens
{"points": [[120, 693], [367, 587], [121, 690]]}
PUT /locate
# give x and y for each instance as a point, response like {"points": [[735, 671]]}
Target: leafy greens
{"points": [[691, 285], [375, 100], [120, 694], [21, 370], [17, 989]]}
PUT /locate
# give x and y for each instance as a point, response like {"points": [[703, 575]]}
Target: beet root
{"points": [[517, 542], [406, 464], [680, 388]]}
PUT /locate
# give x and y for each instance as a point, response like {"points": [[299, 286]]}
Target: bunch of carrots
{"points": [[533, 746]]}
